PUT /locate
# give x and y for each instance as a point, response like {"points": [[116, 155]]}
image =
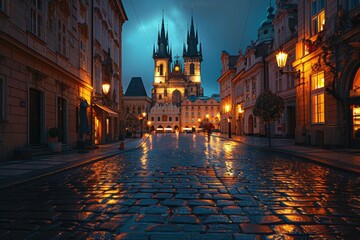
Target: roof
{"points": [[136, 87], [193, 98]]}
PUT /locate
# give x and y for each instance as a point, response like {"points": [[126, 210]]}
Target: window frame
{"points": [[37, 18], [317, 16], [317, 98]]}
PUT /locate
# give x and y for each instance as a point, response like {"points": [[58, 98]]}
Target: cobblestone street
{"points": [[179, 186]]}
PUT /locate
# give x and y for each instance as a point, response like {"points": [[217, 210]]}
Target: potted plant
{"points": [[53, 142]]}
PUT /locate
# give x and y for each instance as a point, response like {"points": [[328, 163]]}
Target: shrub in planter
{"points": [[53, 143]]}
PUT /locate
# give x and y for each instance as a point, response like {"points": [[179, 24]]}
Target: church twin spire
{"points": [[191, 50], [192, 43], [163, 49]]}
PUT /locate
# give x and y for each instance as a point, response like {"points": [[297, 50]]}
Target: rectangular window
{"points": [[318, 16], [152, 119], [170, 119], [318, 98], [82, 55], [2, 97], [36, 18], [158, 118], [62, 29], [176, 119], [3, 6]]}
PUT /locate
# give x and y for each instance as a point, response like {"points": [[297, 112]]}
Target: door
{"points": [[35, 117]]}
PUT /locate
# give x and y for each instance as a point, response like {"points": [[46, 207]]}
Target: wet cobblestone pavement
{"points": [[179, 186]]}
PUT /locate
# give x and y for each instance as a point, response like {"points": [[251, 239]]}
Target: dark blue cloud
{"points": [[222, 25]]}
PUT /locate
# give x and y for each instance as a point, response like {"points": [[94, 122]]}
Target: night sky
{"points": [[228, 25]]}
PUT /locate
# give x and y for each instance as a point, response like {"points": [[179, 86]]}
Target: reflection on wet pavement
{"points": [[179, 186]]}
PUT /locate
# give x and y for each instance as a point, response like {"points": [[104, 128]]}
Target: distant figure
{"points": [[207, 127]]}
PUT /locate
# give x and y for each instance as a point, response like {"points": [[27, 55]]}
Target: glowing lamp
{"points": [[281, 58]]}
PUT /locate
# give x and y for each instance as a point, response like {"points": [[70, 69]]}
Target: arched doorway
{"points": [[176, 128], [176, 97], [250, 125], [354, 97]]}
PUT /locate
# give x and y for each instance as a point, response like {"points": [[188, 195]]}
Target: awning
{"points": [[108, 110]]}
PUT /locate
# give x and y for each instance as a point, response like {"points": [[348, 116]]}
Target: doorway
{"points": [[35, 117], [250, 125]]}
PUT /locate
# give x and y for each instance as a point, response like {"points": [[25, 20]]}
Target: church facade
{"points": [[174, 81]]}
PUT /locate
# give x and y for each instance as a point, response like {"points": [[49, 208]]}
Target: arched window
{"points": [[161, 69], [192, 68], [127, 109], [160, 96], [176, 97]]}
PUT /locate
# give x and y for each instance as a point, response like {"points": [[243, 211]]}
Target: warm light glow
{"points": [[144, 114], [207, 115], [229, 119], [199, 120], [105, 88], [149, 123], [240, 110], [281, 58], [227, 108]]}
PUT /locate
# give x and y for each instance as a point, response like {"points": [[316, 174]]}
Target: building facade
{"points": [[136, 102], [280, 82], [53, 56], [164, 117], [243, 78], [327, 58], [195, 109]]}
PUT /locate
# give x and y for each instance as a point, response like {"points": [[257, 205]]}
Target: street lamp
{"points": [[105, 90], [229, 122], [281, 58], [142, 119], [148, 125]]}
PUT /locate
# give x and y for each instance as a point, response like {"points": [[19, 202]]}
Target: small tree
{"points": [[268, 108]]}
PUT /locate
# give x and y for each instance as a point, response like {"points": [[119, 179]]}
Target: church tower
{"points": [[192, 55], [162, 59]]}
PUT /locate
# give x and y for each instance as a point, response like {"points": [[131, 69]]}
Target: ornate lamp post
{"points": [[142, 117]]}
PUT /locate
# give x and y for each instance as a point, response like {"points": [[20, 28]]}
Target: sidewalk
{"points": [[347, 159], [16, 172]]}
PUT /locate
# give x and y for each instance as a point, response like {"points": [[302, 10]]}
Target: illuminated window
{"points": [[107, 126], [37, 18], [318, 16], [2, 98], [318, 98]]}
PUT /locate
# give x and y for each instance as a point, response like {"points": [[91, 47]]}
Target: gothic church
{"points": [[174, 82]]}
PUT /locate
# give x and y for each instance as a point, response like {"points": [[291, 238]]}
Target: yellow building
{"points": [[196, 109]]}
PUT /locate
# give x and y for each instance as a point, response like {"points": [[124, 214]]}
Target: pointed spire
{"points": [[192, 41], [163, 40]]}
